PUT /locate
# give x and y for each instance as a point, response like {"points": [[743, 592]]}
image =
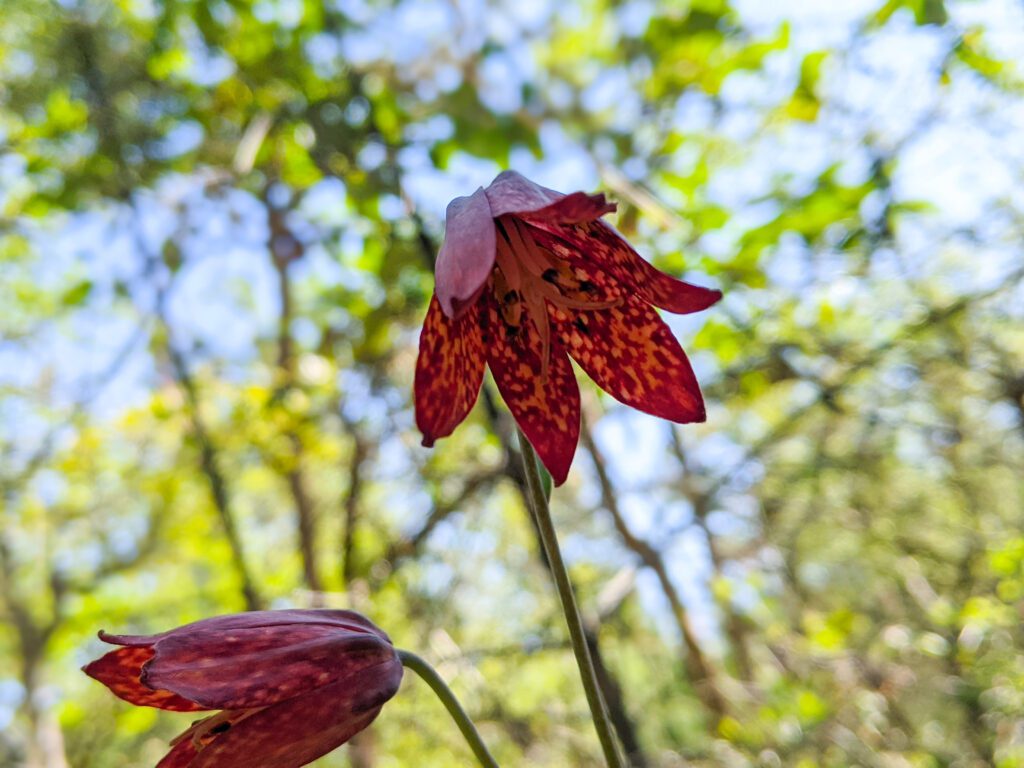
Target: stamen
{"points": [[509, 300], [507, 262], [538, 310], [566, 302], [564, 278], [528, 277], [532, 257]]}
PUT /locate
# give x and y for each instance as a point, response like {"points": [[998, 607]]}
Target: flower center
{"points": [[528, 276]]}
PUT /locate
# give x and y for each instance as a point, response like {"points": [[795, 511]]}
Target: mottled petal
{"points": [[181, 756], [342, 620], [607, 249], [632, 355], [256, 666], [547, 411], [577, 208], [298, 731], [449, 370], [121, 671], [467, 254]]}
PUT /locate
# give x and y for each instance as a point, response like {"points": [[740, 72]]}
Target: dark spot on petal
{"points": [[586, 286], [551, 275], [220, 728], [581, 325], [510, 297]]}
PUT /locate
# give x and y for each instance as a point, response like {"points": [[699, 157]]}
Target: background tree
{"points": [[217, 221]]}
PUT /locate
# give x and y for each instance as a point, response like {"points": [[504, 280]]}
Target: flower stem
{"points": [[537, 501], [429, 675]]}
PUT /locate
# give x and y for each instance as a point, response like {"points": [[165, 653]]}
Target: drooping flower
{"points": [[291, 685], [527, 278]]}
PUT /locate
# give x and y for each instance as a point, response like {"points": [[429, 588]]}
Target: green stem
{"points": [[418, 665], [537, 501]]}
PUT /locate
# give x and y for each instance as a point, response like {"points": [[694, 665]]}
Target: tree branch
{"points": [[285, 249], [361, 449], [408, 546], [209, 460], [735, 628], [699, 668]]}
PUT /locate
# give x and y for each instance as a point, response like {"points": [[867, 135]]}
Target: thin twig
{"points": [[285, 248], [699, 668], [430, 676]]}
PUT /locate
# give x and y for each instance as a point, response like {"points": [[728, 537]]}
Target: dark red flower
{"points": [[527, 278], [292, 685]]}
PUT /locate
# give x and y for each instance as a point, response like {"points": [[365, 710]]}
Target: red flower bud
{"points": [[292, 685]]}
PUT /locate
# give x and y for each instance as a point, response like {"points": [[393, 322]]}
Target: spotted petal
{"points": [[603, 246], [121, 671], [449, 370], [298, 731], [181, 756], [632, 355], [547, 411], [467, 254], [341, 620], [257, 666]]}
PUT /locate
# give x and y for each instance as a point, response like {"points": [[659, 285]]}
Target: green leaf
{"points": [[77, 295]]}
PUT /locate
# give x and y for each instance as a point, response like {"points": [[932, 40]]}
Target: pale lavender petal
{"points": [[467, 254], [511, 192]]}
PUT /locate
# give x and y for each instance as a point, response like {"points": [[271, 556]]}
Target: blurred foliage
{"points": [[217, 221]]}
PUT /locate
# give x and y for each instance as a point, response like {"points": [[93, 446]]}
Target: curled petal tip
{"points": [[700, 414], [447, 308], [455, 307]]}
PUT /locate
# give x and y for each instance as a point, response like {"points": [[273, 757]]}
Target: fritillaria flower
{"points": [[527, 278], [290, 685]]}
